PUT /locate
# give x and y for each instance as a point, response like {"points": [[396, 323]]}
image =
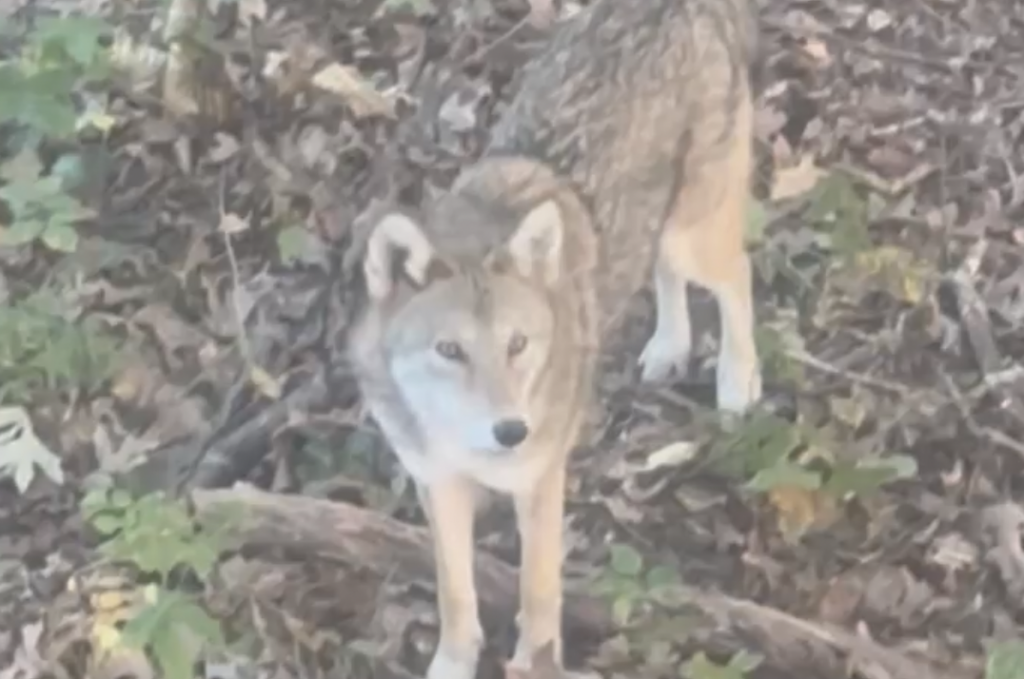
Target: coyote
{"points": [[624, 157]]}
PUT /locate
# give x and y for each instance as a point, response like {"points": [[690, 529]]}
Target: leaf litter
{"points": [[881, 492]]}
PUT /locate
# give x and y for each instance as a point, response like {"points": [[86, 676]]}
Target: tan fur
{"points": [[625, 157], [704, 243]]}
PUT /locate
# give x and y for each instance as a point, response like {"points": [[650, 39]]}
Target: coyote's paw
{"points": [[456, 660], [541, 659], [666, 355], [447, 666], [738, 383]]}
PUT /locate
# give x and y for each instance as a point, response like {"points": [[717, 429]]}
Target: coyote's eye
{"points": [[516, 344], [450, 350]]}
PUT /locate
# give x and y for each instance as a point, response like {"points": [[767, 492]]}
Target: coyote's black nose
{"points": [[510, 433]]}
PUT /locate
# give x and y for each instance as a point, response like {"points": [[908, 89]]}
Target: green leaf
{"points": [[868, 475], [605, 585], [199, 556], [291, 243], [23, 168], [71, 170], [762, 442], [1005, 660], [847, 479], [757, 218], [839, 210], [106, 524], [61, 237], [625, 560], [120, 499], [199, 622], [78, 36], [660, 653], [162, 627], [53, 115], [175, 656], [94, 501], [746, 662], [622, 609], [662, 576], [23, 231], [785, 473], [419, 7], [902, 466], [699, 666], [145, 625]]}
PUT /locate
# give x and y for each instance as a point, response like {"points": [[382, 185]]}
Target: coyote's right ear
{"points": [[536, 246], [398, 246]]}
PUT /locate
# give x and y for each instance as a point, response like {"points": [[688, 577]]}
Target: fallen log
{"points": [[366, 539]]}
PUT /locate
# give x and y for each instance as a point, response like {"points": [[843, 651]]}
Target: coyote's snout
{"points": [[623, 159]]}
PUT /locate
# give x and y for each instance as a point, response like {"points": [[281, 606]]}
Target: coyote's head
{"points": [[466, 341]]}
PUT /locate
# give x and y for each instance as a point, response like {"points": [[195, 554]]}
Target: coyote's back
{"points": [[631, 100]]}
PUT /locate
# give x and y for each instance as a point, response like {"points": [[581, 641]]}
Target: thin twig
{"points": [[818, 364], [981, 431], [883, 52], [483, 51]]}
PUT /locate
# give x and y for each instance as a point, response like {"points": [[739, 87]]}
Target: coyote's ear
{"points": [[536, 246], [399, 247]]}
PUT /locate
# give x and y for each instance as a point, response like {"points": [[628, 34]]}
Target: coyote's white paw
{"points": [[444, 666], [450, 664], [667, 354], [526, 653], [738, 383]]}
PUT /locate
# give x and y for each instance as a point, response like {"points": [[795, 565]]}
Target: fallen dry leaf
{"points": [[796, 180], [354, 90], [800, 509], [817, 50], [671, 455], [542, 13], [543, 667]]}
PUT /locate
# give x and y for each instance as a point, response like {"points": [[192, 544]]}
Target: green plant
{"points": [[1004, 659], [291, 243], [754, 227], [40, 206], [804, 471], [40, 347], [840, 214], [153, 532], [170, 626], [773, 344], [626, 584], [701, 667], [418, 7], [157, 535], [58, 55], [653, 593], [773, 452]]}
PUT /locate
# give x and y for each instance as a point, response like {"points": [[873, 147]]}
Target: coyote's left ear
{"points": [[536, 246]]}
